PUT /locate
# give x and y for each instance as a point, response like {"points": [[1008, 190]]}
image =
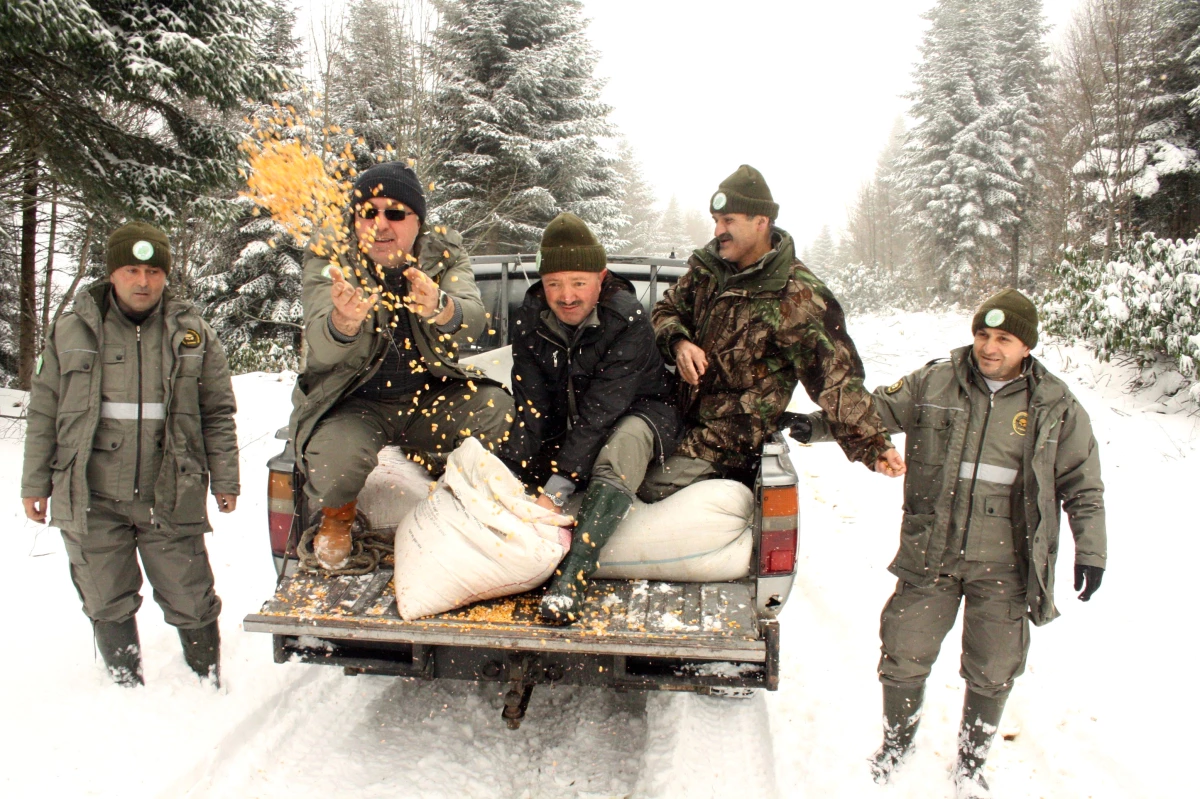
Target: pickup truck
{"points": [[712, 638]]}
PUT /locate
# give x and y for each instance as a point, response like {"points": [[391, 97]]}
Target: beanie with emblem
{"points": [[138, 244], [569, 246], [744, 192], [393, 180], [1009, 310]]}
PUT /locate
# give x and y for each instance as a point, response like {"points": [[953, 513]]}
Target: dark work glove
{"points": [[798, 426], [1092, 575]]}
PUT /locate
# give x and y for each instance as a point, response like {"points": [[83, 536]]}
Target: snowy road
{"points": [[1102, 711]]}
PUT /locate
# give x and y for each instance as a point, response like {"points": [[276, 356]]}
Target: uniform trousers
{"points": [[344, 449], [104, 566], [995, 638]]}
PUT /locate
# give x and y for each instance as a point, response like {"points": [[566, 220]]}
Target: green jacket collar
{"points": [[769, 274]]}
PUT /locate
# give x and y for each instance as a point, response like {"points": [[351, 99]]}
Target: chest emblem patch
{"points": [[191, 339], [1020, 423], [894, 387]]}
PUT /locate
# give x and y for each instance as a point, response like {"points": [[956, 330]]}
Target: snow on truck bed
{"points": [[709, 620]]}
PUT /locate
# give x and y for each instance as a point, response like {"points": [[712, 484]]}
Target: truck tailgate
{"points": [[706, 621]]}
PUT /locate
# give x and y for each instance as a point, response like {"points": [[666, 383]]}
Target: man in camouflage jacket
{"points": [[743, 326], [130, 419], [995, 446]]}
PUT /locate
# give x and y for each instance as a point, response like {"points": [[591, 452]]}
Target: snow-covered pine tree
{"points": [[673, 236], [641, 227], [1020, 115], [523, 124], [1168, 200], [382, 83], [820, 252], [73, 71], [958, 173], [249, 271], [1107, 55]]}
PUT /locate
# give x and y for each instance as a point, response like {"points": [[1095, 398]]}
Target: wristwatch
{"points": [[441, 304]]}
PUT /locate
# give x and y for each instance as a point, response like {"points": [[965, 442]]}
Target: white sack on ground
{"points": [[702, 533], [477, 536], [393, 489]]}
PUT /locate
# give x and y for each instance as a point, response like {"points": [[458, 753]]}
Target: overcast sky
{"points": [[804, 90]]}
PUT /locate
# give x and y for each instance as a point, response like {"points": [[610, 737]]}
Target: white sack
{"points": [[702, 533], [477, 536], [393, 489]]}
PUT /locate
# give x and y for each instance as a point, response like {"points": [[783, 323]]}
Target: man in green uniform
{"points": [[743, 326], [130, 419], [995, 446], [385, 316]]}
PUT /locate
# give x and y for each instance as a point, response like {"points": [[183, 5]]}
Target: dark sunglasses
{"points": [[390, 214]]}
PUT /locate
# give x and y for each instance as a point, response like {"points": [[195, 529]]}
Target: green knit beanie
{"points": [[1009, 310], [138, 243], [744, 192], [569, 246]]}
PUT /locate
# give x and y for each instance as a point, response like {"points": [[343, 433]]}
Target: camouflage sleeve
{"points": [[672, 317], [828, 366]]}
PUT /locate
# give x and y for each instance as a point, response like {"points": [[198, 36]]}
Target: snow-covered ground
{"points": [[1102, 711]]}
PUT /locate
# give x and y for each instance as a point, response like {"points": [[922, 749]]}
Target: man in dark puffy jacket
{"points": [[995, 446], [130, 416], [593, 398]]}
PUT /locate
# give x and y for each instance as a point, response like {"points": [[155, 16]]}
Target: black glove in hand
{"points": [[798, 426], [1092, 575]]}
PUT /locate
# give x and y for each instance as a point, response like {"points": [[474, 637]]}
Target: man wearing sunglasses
{"points": [[384, 320]]}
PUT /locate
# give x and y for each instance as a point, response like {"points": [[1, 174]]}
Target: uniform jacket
{"points": [[570, 392], [199, 438], [764, 329], [333, 369], [1060, 470]]}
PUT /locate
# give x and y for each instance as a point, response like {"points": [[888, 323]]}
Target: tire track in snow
{"points": [[704, 746]]}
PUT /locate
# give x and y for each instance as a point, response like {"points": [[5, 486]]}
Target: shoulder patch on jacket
{"points": [[894, 387], [191, 339]]}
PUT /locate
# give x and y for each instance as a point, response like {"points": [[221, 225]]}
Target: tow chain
{"points": [[367, 549]]}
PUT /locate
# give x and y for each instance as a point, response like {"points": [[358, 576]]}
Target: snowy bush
{"points": [[263, 356], [861, 288], [1143, 303]]}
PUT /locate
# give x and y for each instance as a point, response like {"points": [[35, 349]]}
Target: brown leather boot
{"points": [[332, 542]]}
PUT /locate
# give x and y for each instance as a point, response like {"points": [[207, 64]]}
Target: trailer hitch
{"points": [[520, 672]]}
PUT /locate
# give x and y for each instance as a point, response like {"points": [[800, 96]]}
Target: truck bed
{"points": [[689, 621]]}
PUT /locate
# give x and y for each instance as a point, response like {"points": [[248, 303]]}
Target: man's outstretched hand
{"points": [[1088, 578], [891, 464]]}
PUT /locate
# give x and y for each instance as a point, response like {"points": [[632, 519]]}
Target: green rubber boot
{"points": [[121, 649], [980, 720], [604, 506], [901, 713]]}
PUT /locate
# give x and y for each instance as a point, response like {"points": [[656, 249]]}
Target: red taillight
{"points": [[281, 507], [777, 547]]}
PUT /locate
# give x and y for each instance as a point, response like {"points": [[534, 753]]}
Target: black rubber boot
{"points": [[122, 651], [604, 506], [980, 720], [202, 651], [901, 714]]}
